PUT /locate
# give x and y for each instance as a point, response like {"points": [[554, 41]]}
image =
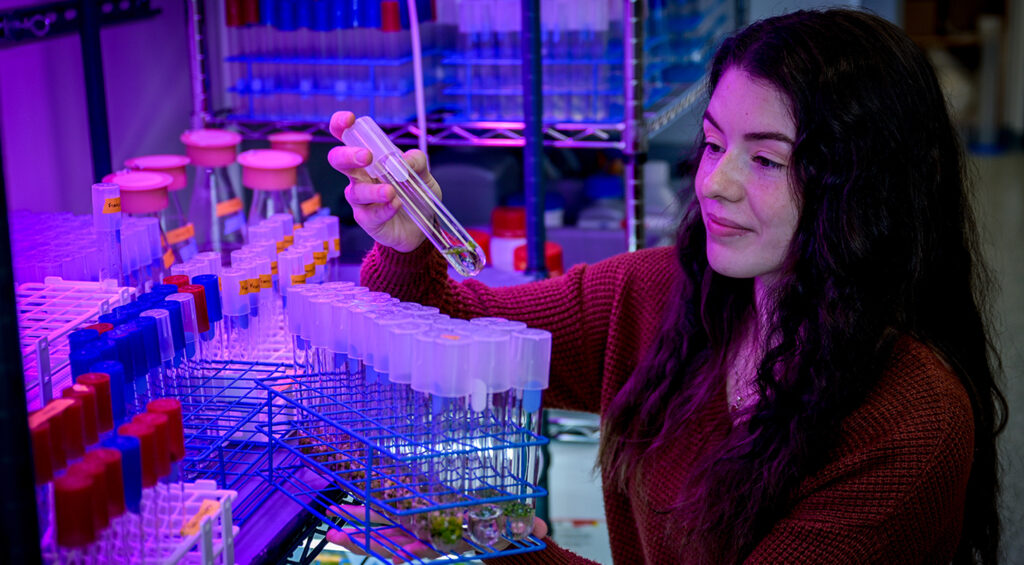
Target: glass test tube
{"points": [[106, 214], [418, 201]]}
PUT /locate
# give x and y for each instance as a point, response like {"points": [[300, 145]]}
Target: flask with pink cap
{"points": [[216, 206]]}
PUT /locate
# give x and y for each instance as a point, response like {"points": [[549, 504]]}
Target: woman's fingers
{"points": [[340, 121], [350, 161], [361, 193]]}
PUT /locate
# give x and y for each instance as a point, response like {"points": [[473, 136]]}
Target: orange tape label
{"points": [[298, 279], [311, 205], [273, 268], [112, 205], [243, 287], [178, 235], [289, 240], [168, 259], [320, 257], [266, 281], [50, 410], [254, 285], [337, 244], [229, 207]]}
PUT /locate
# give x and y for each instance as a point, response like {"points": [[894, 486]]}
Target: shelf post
{"points": [[634, 136], [533, 134]]}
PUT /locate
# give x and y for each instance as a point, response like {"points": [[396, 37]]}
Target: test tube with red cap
{"points": [[75, 524], [95, 471], [206, 345], [89, 411], [171, 409], [42, 458], [109, 459], [161, 491]]}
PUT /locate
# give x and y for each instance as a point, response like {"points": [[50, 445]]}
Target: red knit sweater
{"points": [[893, 491]]}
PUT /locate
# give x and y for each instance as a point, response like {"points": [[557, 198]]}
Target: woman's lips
{"points": [[722, 227]]}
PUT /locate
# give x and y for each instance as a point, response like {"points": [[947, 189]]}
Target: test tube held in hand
{"points": [[418, 201]]}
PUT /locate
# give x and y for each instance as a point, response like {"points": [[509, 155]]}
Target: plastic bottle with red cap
{"points": [[508, 231]]}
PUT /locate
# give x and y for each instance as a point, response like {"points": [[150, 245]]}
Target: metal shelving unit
{"points": [[629, 135]]}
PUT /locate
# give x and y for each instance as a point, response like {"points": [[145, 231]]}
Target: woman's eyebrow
{"points": [[753, 135]]}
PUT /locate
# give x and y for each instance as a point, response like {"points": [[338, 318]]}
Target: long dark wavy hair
{"points": [[886, 245]]}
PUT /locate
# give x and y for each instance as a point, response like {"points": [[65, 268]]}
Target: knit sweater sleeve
{"points": [[895, 492], [579, 308]]}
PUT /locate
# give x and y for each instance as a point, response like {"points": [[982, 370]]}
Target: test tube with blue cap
{"points": [[420, 203], [531, 357], [148, 452], [190, 328], [165, 334], [131, 469], [121, 337], [151, 343]]}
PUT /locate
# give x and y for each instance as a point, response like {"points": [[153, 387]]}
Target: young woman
{"points": [[807, 375]]}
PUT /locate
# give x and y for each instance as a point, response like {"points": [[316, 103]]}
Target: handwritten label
{"points": [[281, 246], [254, 285], [191, 525], [112, 205], [273, 268], [298, 279], [266, 281], [178, 235], [50, 410], [229, 207], [168, 259], [310, 269], [289, 240], [311, 205], [320, 258], [337, 244], [327, 246], [243, 287]]}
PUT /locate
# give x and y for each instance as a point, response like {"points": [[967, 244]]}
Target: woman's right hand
{"points": [[375, 206]]}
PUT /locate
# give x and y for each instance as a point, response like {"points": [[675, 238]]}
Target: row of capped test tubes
{"points": [[457, 390], [65, 245], [108, 490]]}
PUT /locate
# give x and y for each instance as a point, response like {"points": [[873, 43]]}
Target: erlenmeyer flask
{"points": [[216, 201], [180, 232], [303, 193], [144, 195], [270, 174]]}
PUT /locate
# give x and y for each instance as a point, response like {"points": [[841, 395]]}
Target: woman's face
{"points": [[748, 204]]}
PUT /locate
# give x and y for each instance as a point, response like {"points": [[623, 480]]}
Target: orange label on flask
{"points": [[311, 205], [266, 281], [168, 259], [320, 258], [229, 207], [298, 279], [178, 235], [112, 205]]}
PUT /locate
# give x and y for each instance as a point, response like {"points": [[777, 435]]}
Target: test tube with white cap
{"points": [[420, 203], [106, 214], [236, 307]]}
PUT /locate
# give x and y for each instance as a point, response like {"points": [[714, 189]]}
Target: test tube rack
{"points": [[47, 313], [350, 440], [168, 543]]}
